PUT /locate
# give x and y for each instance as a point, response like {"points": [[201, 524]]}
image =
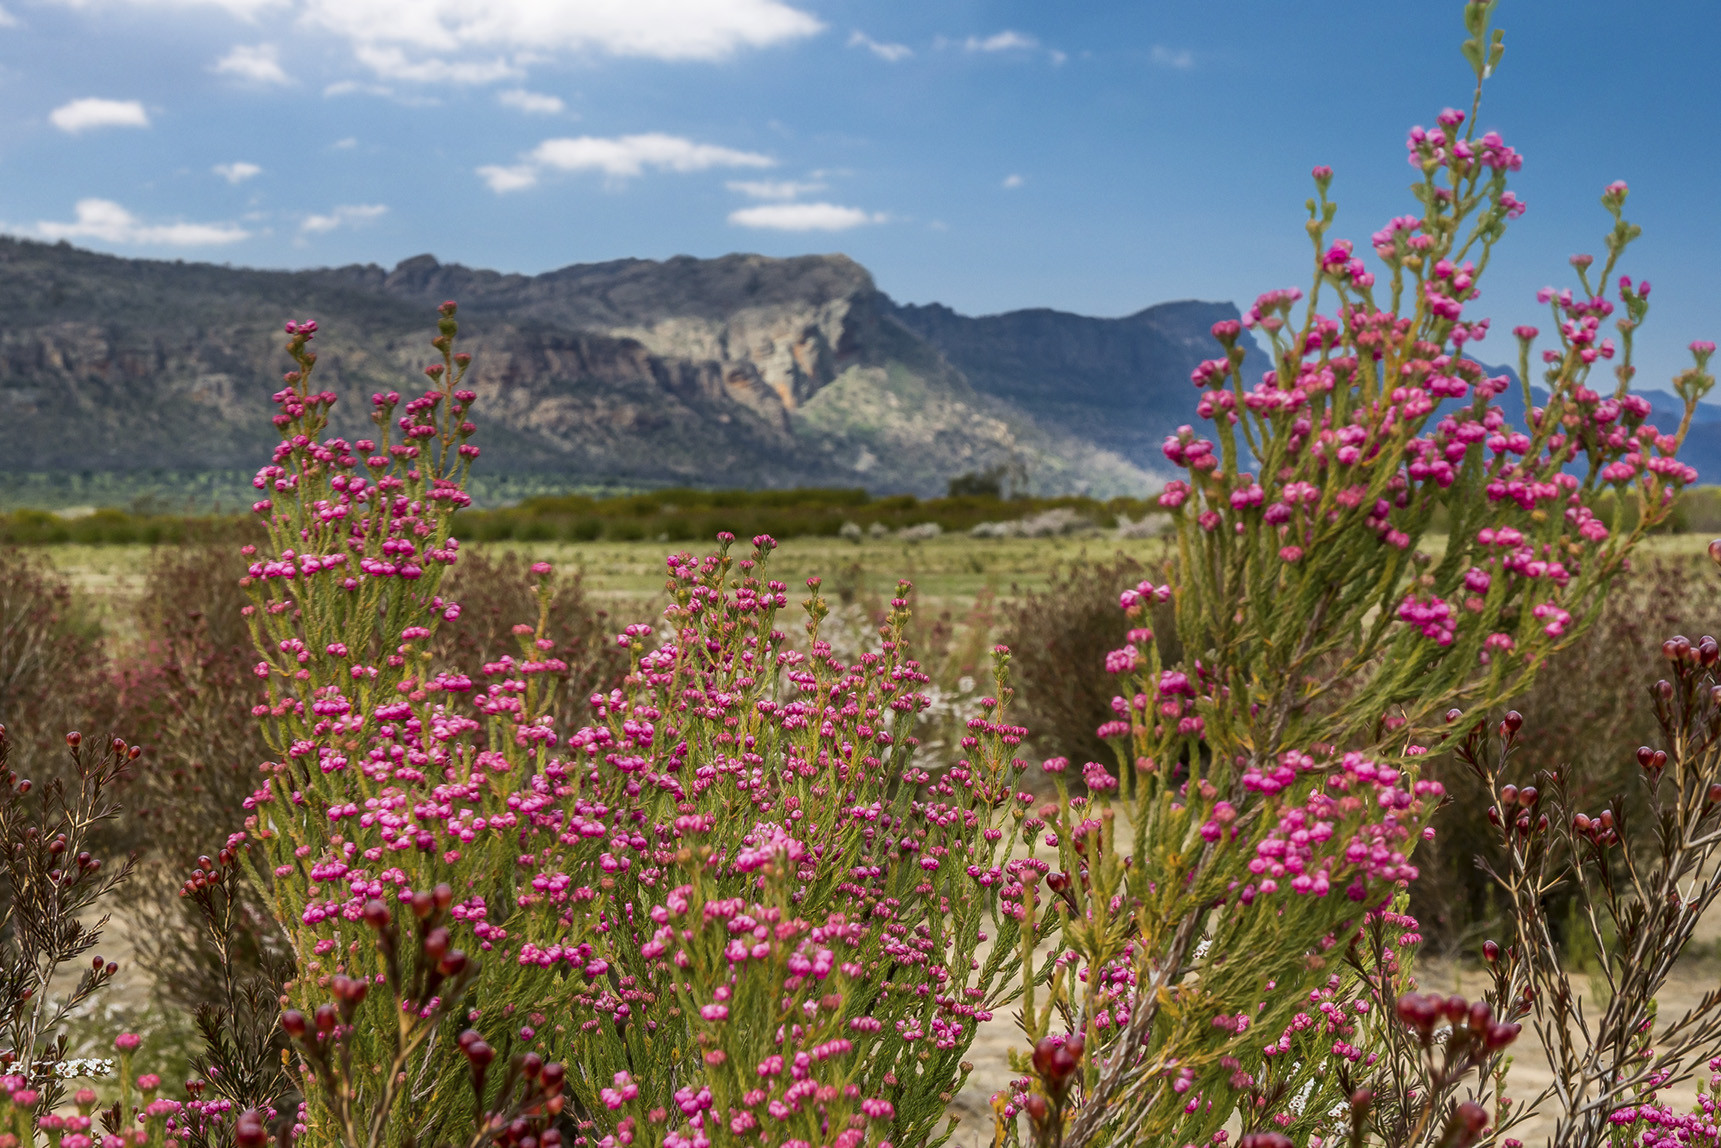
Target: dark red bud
{"points": [[249, 1130], [1513, 721], [480, 1053], [453, 964], [1490, 951], [377, 915], [293, 1022], [1499, 1035], [1036, 1106], [326, 1017], [74, 739], [436, 943], [1527, 797], [444, 894], [1508, 795]]}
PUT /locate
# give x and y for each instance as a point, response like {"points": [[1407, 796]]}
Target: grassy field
{"points": [[950, 569], [948, 572]]}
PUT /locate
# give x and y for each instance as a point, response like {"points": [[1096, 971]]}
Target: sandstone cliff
{"points": [[742, 370]]}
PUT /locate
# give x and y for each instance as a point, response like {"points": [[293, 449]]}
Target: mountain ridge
{"points": [[743, 370]]}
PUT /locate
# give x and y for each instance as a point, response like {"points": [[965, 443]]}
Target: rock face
{"points": [[1121, 384], [742, 371]]}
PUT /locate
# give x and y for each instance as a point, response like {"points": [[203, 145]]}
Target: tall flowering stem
{"points": [[732, 906], [1268, 798]]}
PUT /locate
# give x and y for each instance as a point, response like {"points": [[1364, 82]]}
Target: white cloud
{"points": [[505, 179], [347, 144], [237, 172], [884, 51], [107, 221], [1005, 41], [773, 189], [532, 103], [244, 9], [804, 217], [413, 39], [621, 157], [257, 64], [655, 29], [1178, 59], [82, 115], [1013, 181], [393, 63], [347, 215], [7, 20]]}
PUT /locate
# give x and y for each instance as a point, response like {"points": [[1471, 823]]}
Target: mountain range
{"points": [[738, 371], [742, 371]]}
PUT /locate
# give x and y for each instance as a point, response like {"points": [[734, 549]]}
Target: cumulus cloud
{"points": [[621, 157], [257, 64], [532, 103], [346, 215], [773, 188], [244, 9], [82, 115], [1013, 181], [1177, 59], [804, 217], [237, 172], [392, 62], [884, 51], [1005, 41], [105, 220], [439, 41]]}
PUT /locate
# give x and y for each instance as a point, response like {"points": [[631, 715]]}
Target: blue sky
{"points": [[1091, 156]]}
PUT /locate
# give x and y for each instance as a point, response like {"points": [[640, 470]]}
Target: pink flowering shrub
{"points": [[1211, 891], [732, 905]]}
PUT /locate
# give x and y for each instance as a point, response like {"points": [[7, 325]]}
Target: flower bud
{"points": [[377, 915]]}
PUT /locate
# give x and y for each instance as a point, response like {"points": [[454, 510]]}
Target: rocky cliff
{"points": [[742, 370]]}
